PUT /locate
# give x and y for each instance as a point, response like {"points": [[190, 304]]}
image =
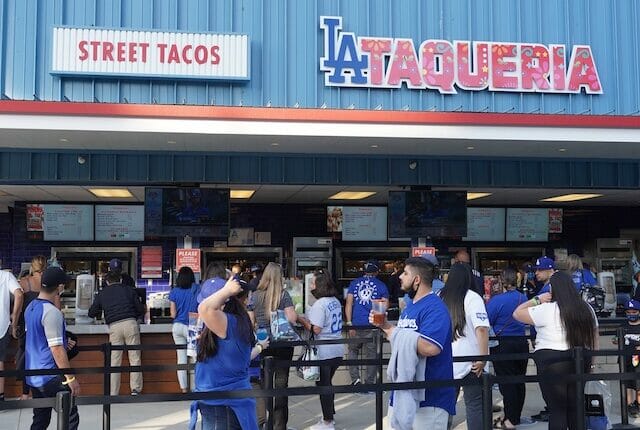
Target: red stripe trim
{"points": [[315, 115]]}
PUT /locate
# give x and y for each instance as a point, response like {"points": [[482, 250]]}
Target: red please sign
{"points": [[189, 258], [420, 251]]}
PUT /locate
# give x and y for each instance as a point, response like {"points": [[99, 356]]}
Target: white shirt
{"points": [[327, 313], [476, 316], [8, 285], [549, 328]]}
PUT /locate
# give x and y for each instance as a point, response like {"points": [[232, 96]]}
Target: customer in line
{"points": [[511, 340], [183, 299], [224, 353], [426, 323], [270, 297], [122, 308], [563, 321], [47, 349], [470, 336], [9, 286], [325, 321]]}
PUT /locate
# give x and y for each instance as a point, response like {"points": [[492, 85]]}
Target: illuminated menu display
{"points": [[120, 222], [527, 224], [485, 224], [65, 222]]}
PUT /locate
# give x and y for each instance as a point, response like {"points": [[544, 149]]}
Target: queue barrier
{"points": [[63, 401]]}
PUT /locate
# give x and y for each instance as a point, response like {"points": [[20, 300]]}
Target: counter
{"points": [[92, 384]]}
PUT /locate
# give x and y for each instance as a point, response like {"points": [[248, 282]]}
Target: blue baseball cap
{"points": [[115, 265], [371, 266], [544, 263], [431, 259], [633, 305], [209, 287]]}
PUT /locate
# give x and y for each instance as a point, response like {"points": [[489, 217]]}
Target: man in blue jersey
{"points": [[428, 316], [356, 309], [545, 267], [46, 348]]}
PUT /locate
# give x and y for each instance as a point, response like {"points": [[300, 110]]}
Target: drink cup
{"points": [[262, 334], [379, 308]]}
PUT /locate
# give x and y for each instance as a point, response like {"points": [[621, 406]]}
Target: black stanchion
{"points": [[63, 408], [268, 384], [622, 365], [487, 401], [106, 387], [579, 360], [377, 338]]}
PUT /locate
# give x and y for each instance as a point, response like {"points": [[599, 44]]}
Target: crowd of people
{"points": [[440, 319]]}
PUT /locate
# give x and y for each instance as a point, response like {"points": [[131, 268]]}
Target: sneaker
{"points": [[135, 392], [526, 421], [542, 416], [322, 425]]}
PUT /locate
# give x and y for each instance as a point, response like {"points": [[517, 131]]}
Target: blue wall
{"points": [[286, 44]]}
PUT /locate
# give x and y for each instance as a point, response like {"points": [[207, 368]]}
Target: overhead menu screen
{"points": [[64, 222], [364, 223], [120, 222], [527, 224], [485, 224]]}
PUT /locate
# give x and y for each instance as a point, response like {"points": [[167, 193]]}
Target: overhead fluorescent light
{"points": [[242, 194], [352, 195], [111, 192], [571, 197], [473, 196]]}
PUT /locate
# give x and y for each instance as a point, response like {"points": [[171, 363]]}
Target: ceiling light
{"points": [[275, 144], [571, 197], [473, 196], [111, 192], [63, 140], [242, 194], [470, 148], [171, 142], [374, 146], [562, 150], [351, 195]]}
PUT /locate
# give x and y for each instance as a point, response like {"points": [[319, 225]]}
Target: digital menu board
{"points": [[527, 224], [364, 223], [119, 222], [61, 222], [485, 224]]}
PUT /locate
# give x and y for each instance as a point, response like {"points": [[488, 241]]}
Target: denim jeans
{"points": [[219, 418], [42, 416]]}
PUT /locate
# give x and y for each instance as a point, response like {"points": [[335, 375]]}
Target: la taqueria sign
{"points": [[442, 65]]}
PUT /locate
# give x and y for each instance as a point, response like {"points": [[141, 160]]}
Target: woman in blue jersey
{"points": [[325, 321], [183, 300], [224, 353], [511, 340]]}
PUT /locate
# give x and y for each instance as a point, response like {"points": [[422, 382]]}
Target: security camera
{"points": [[413, 164]]}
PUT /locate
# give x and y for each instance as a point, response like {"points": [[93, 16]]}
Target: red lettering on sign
{"points": [[201, 53], [121, 51], [82, 46], [185, 56], [215, 57], [174, 56], [107, 51], [144, 47], [161, 48]]}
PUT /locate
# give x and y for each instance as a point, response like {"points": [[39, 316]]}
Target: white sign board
{"points": [[364, 223], [120, 222], [527, 224], [485, 224], [68, 222], [149, 54]]}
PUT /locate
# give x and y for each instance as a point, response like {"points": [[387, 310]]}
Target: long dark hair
{"points": [[575, 313], [324, 285], [208, 343], [185, 278], [455, 289]]}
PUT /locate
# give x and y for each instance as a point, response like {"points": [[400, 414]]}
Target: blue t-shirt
{"points": [[545, 289], [500, 309], [583, 277], [437, 285], [430, 317], [228, 370], [45, 328], [185, 301], [365, 289]]}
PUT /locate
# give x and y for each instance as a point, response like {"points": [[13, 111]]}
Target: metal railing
{"points": [[63, 401]]}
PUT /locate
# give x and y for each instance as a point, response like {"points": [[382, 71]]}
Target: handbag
{"points": [[303, 370]]}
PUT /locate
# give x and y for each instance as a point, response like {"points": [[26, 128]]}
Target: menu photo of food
{"points": [[334, 219]]}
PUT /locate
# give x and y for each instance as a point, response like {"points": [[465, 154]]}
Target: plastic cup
{"points": [[262, 334], [379, 308]]}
